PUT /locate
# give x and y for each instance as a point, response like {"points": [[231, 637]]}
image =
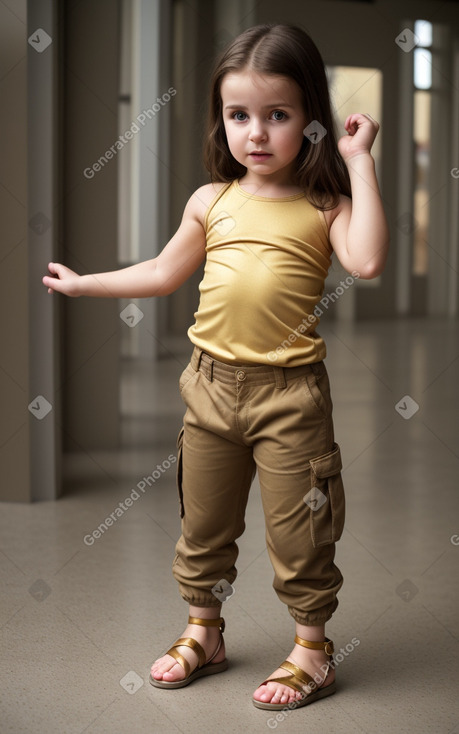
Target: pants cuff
{"points": [[199, 597], [315, 618]]}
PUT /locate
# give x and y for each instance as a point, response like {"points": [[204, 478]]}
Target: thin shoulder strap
{"points": [[216, 198]]}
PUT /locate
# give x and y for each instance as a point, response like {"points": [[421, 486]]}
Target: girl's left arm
{"points": [[359, 233]]}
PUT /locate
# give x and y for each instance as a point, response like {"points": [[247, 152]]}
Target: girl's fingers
{"points": [[49, 283], [357, 116], [351, 124], [53, 280], [60, 279], [359, 119], [57, 270]]}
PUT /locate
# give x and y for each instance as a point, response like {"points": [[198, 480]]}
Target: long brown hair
{"points": [[283, 50]]}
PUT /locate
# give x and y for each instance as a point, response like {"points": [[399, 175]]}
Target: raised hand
{"points": [[362, 130]]}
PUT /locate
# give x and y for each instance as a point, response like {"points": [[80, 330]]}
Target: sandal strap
{"points": [[219, 622], [298, 678], [326, 645], [195, 646]]}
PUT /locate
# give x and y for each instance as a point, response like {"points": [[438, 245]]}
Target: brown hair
{"points": [[288, 51]]}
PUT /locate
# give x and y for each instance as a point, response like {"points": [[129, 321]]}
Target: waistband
{"points": [[213, 369]]}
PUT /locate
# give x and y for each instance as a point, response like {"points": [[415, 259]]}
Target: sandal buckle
{"points": [[328, 648]]}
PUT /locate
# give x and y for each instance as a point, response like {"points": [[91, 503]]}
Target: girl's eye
{"points": [[239, 116], [278, 115]]}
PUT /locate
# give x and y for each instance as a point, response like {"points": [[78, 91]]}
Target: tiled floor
{"points": [[81, 622]]}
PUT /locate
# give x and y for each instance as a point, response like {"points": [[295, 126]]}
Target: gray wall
{"points": [[58, 115], [91, 333], [14, 325]]}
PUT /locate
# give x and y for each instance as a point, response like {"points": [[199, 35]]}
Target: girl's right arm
{"points": [[157, 277]]}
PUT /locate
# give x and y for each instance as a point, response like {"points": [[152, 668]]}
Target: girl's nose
{"points": [[257, 132]]}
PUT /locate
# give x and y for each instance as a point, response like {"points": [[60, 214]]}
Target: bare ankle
{"points": [[205, 612]]}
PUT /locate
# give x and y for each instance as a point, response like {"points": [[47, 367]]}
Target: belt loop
{"points": [[211, 375], [279, 374], [199, 358]]}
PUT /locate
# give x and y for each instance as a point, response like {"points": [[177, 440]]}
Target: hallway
{"points": [[87, 611]]}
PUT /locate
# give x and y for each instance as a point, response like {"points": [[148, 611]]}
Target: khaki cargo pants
{"points": [[277, 421]]}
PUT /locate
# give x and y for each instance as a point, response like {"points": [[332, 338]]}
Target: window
{"points": [[422, 81], [356, 89]]}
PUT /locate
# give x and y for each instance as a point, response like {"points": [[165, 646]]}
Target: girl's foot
{"points": [[168, 669], [311, 661]]}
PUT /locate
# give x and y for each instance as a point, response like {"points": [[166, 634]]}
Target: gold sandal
{"points": [[204, 667], [301, 681]]}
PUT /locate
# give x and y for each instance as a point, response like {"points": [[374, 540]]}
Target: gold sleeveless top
{"points": [[267, 260]]}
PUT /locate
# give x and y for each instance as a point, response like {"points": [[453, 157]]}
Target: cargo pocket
{"points": [[180, 470], [326, 498]]}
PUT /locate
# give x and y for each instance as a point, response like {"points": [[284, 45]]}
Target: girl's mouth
{"points": [[260, 155]]}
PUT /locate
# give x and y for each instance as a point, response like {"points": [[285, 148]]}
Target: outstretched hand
{"points": [[362, 131], [62, 280]]}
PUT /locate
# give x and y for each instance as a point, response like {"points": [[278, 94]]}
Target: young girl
{"points": [[283, 196]]}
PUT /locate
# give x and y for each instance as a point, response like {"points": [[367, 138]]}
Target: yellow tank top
{"points": [[267, 260]]}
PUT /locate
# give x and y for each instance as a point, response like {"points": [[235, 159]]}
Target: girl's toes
{"points": [[287, 695], [174, 673], [169, 674], [262, 694], [162, 670], [158, 671], [277, 696]]}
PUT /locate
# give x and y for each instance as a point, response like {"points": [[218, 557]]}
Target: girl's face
{"points": [[264, 121]]}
